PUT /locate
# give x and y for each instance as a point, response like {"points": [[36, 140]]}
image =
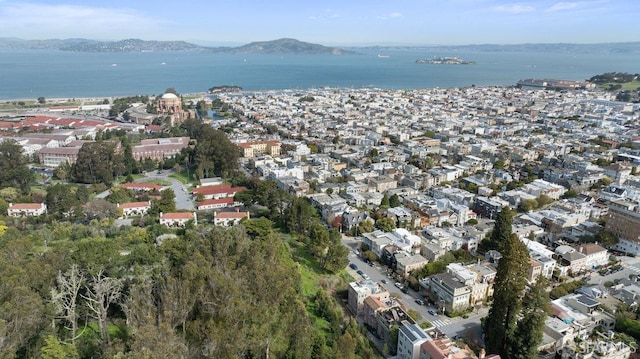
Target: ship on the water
{"points": [[447, 60]]}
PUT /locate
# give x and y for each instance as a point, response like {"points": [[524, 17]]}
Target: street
{"points": [[450, 326], [183, 197]]}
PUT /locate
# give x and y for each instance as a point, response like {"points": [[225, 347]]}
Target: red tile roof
{"points": [[208, 202], [177, 215], [134, 205], [232, 214], [25, 206], [219, 189]]}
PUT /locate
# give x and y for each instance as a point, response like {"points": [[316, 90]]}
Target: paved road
{"points": [[183, 196], [451, 326]]}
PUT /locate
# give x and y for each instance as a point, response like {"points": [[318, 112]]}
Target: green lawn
{"points": [[182, 177], [158, 182], [633, 85]]}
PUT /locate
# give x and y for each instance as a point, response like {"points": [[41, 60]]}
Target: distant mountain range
{"points": [[293, 46], [614, 47], [280, 46]]}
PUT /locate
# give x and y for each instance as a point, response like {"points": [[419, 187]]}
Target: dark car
{"points": [[384, 281], [360, 272], [353, 266]]}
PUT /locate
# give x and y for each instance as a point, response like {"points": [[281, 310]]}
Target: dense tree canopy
{"points": [[214, 155], [97, 163], [14, 171]]}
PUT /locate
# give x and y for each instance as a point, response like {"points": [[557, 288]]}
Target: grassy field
{"points": [[182, 177], [158, 182], [633, 85]]}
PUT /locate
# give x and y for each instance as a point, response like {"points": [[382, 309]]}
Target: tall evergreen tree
{"points": [[501, 230], [509, 286], [535, 310]]}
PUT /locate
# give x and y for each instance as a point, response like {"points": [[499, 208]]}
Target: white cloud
{"points": [[562, 6], [515, 8], [326, 14], [390, 15], [48, 21]]}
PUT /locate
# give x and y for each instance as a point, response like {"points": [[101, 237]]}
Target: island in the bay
{"points": [[447, 60]]}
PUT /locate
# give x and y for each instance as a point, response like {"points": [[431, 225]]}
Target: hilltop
{"points": [[279, 46]]}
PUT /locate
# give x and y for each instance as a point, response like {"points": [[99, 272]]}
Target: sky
{"points": [[328, 22]]}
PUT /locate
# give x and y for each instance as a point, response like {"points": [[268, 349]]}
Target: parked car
{"points": [[420, 301], [353, 266], [384, 281], [360, 272], [398, 284], [432, 312]]}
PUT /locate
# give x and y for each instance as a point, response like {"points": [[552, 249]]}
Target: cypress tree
{"points": [[509, 286], [502, 229], [535, 310]]}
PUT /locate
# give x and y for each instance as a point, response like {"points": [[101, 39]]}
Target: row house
{"points": [[134, 208], [216, 203], [227, 219], [410, 339], [217, 192], [448, 292], [178, 219]]}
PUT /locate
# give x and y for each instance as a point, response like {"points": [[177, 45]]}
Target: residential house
{"points": [[229, 218], [178, 219], [359, 291], [217, 192], [134, 208], [26, 209], [406, 263], [216, 203]]}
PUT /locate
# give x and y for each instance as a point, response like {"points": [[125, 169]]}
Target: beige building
{"points": [[170, 104], [255, 148], [624, 222]]}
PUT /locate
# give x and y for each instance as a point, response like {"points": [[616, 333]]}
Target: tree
{"points": [[528, 205], [394, 201], [528, 334], [60, 199], [386, 224], [606, 238], [41, 100], [97, 163], [509, 286], [54, 349], [100, 209], [337, 253], [167, 202], [65, 298], [101, 292], [14, 171], [501, 230], [214, 154], [384, 203]]}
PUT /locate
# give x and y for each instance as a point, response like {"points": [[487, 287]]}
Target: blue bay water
{"points": [[34, 73]]}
